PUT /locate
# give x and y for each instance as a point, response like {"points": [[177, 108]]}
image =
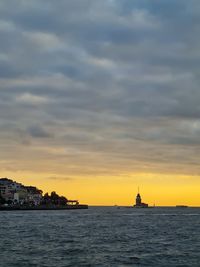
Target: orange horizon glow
{"points": [[158, 189]]}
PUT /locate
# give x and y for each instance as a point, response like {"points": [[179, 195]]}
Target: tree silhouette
{"points": [[54, 199]]}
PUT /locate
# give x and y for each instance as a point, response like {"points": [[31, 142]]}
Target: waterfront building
{"points": [[8, 188], [16, 193], [34, 195]]}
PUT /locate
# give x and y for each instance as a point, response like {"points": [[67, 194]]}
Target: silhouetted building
{"points": [[139, 203]]}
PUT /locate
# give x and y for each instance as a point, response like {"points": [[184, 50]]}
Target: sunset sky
{"points": [[98, 97]]}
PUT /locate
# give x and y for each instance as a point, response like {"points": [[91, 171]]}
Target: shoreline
{"points": [[67, 207]]}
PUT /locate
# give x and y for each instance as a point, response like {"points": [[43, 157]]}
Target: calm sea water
{"points": [[101, 236]]}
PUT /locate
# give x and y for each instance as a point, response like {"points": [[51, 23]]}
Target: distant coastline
{"points": [[16, 196]]}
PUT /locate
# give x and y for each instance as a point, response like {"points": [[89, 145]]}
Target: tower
{"points": [[138, 200]]}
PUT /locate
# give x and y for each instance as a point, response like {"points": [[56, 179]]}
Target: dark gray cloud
{"points": [[38, 132], [108, 83]]}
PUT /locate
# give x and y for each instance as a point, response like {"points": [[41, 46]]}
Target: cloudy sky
{"points": [[98, 97]]}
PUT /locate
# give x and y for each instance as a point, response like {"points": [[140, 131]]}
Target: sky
{"points": [[100, 97]]}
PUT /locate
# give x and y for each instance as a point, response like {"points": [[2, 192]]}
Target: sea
{"points": [[101, 237]]}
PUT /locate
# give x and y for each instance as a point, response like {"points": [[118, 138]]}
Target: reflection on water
{"points": [[101, 236]]}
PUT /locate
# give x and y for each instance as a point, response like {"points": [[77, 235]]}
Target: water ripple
{"points": [[100, 236]]}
